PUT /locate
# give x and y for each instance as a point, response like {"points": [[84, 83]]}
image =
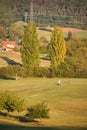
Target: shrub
{"points": [[12, 71], [43, 49], [11, 102], [38, 111], [19, 70], [44, 72]]}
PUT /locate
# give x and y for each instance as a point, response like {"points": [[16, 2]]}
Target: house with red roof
{"points": [[8, 45]]}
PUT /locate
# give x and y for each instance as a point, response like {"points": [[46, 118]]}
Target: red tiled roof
{"points": [[9, 44]]}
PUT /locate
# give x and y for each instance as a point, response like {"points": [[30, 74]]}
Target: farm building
{"points": [[8, 45]]}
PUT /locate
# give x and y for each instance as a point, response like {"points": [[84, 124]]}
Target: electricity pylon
{"points": [[31, 11], [26, 17]]}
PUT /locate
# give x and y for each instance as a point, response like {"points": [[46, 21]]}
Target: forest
{"points": [[70, 13]]}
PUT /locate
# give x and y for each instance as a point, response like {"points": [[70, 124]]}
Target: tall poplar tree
{"points": [[30, 48], [57, 48]]}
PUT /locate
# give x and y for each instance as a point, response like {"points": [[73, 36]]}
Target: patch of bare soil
{"points": [[72, 30]]}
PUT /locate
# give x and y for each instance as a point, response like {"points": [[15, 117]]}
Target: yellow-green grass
{"points": [[81, 34], [77, 33], [67, 103]]}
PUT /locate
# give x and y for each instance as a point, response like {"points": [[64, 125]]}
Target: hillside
{"points": [[70, 13], [67, 103]]}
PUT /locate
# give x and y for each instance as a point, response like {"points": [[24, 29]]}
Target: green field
{"points": [[78, 34], [67, 103]]}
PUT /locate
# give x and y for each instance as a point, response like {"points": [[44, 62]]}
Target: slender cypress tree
{"points": [[30, 48], [57, 48]]}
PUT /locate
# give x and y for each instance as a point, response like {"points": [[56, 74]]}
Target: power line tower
{"points": [[31, 11], [26, 17]]}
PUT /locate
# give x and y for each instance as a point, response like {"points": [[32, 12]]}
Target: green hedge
{"points": [[12, 71], [65, 70]]}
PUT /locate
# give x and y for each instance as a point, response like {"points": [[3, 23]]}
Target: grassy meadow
{"points": [[77, 33], [67, 103]]}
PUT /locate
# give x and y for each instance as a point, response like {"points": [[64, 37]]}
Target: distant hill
{"points": [[69, 13]]}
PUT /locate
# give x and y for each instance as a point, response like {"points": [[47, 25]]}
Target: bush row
{"points": [[64, 70], [12, 71]]}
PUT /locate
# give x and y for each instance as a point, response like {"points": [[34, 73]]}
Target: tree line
{"points": [[70, 13]]}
